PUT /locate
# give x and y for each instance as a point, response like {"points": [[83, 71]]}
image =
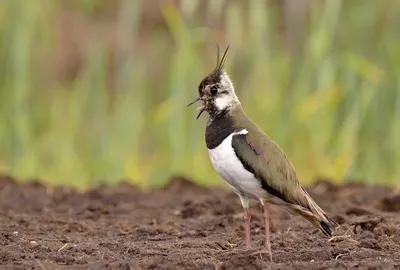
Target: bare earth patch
{"points": [[184, 226]]}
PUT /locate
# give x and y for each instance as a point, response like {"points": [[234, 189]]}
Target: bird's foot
{"points": [[263, 251], [248, 247]]}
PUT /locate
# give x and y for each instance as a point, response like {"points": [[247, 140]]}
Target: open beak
{"points": [[194, 101], [201, 108]]}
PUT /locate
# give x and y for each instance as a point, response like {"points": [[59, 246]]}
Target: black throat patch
{"points": [[219, 127]]}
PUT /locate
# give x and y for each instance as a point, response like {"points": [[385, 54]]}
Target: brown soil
{"points": [[184, 226]]}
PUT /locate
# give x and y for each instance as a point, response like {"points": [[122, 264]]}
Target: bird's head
{"points": [[216, 91]]}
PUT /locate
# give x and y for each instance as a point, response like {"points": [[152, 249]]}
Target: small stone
{"points": [[177, 212]]}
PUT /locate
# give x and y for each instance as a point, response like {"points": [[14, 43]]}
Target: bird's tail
{"points": [[313, 213]]}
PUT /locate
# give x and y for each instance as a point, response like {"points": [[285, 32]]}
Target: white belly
{"points": [[227, 164]]}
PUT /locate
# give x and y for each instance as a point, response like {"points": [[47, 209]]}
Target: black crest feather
{"points": [[215, 75], [220, 64]]}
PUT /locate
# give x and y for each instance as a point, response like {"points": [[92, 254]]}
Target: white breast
{"points": [[227, 164]]}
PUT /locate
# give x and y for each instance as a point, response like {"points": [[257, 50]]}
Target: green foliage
{"points": [[326, 88]]}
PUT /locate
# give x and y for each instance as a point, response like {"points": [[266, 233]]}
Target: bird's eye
{"points": [[214, 90]]}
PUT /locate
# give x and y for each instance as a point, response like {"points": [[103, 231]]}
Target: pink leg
{"points": [[267, 234], [267, 231], [247, 218]]}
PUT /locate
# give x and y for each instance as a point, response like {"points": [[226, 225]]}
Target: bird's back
{"points": [[270, 165]]}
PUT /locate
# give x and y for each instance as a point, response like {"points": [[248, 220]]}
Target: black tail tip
{"points": [[326, 228]]}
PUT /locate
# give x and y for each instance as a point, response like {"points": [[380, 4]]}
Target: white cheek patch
{"points": [[222, 102]]}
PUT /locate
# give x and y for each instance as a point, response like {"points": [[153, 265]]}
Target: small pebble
{"points": [[177, 212], [33, 242]]}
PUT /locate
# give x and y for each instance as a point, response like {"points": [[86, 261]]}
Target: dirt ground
{"points": [[184, 226]]}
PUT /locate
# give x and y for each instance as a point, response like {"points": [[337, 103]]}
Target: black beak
{"points": [[201, 110], [194, 101]]}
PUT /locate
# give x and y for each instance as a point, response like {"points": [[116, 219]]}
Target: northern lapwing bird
{"points": [[251, 163]]}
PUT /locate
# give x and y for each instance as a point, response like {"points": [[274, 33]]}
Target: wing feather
{"points": [[270, 165]]}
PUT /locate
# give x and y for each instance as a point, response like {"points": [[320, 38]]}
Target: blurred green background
{"points": [[95, 91]]}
